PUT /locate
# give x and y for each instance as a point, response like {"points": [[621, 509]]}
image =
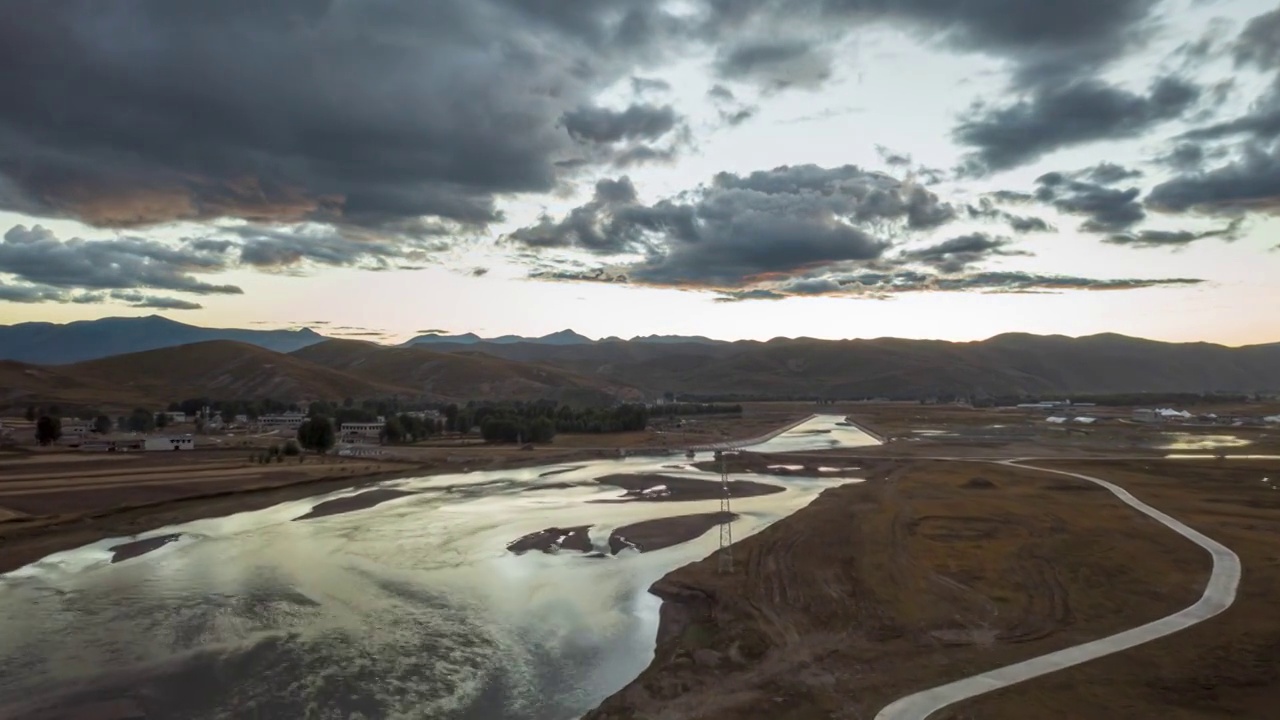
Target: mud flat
{"points": [[138, 548], [880, 589], [554, 540], [352, 503], [680, 488], [662, 533]]}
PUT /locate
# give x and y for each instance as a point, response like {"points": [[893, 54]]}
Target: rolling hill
{"points": [[613, 370], [463, 375], [224, 369], [53, 344]]}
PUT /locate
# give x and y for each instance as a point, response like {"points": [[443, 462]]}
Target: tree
{"points": [[102, 424], [316, 435], [162, 420], [142, 420], [348, 402], [291, 448], [31, 413], [48, 429], [393, 431]]}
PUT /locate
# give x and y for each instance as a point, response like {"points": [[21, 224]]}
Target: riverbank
{"points": [[63, 517], [937, 572], [52, 502]]}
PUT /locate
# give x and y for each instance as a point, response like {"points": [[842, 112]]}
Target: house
{"points": [[361, 432], [1146, 415], [76, 429], [185, 442], [286, 421], [130, 445]]}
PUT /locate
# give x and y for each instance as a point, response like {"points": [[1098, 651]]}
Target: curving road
{"points": [[1218, 596]]}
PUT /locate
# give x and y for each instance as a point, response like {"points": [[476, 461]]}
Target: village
{"points": [[177, 430]]}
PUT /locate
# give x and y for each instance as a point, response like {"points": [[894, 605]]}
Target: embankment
{"points": [[880, 589], [864, 427], [746, 442]]}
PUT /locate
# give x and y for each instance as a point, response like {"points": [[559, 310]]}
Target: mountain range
{"points": [[60, 344], [568, 367]]}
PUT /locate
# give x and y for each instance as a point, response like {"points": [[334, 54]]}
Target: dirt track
{"points": [[949, 569]]}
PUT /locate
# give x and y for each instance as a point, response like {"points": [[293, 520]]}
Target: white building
{"points": [[287, 421], [170, 443], [361, 432], [76, 429]]}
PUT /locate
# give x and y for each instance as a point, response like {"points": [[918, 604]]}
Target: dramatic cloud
{"points": [[1252, 182], [776, 64], [739, 227], [887, 284], [1259, 43], [1048, 42], [1108, 209], [360, 113], [1173, 238], [139, 300], [1056, 117], [37, 256], [958, 253], [31, 294], [269, 248], [637, 122]]}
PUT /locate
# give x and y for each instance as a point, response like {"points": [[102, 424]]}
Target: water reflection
{"points": [[412, 608]]}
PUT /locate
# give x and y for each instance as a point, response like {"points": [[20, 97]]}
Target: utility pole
{"points": [[726, 520]]}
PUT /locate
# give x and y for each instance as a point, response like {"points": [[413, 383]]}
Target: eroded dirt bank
{"points": [[939, 571]]}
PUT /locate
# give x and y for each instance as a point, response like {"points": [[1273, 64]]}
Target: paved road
{"points": [[1218, 596]]}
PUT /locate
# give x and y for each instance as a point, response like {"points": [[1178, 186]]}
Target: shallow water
{"points": [[1190, 441], [410, 609]]}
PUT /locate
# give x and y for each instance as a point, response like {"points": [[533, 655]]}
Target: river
{"points": [[410, 609]]}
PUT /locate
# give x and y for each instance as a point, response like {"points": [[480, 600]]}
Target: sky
{"points": [[728, 168]]}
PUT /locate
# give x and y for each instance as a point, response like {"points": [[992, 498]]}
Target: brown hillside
{"points": [[22, 384], [462, 376], [227, 370]]}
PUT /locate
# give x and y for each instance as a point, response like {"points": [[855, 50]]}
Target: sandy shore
{"points": [[140, 508]]}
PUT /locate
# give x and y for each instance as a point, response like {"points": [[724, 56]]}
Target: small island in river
{"points": [[652, 487], [351, 503]]}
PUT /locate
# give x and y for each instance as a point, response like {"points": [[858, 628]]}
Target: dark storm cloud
{"points": [[1056, 117], [1259, 42], [264, 247], [139, 300], [1184, 156], [1047, 42], [775, 64], [360, 113], [37, 256], [742, 226], [30, 294], [1173, 238], [1107, 173], [637, 122], [1250, 182], [1108, 209], [891, 283], [958, 253], [642, 85]]}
